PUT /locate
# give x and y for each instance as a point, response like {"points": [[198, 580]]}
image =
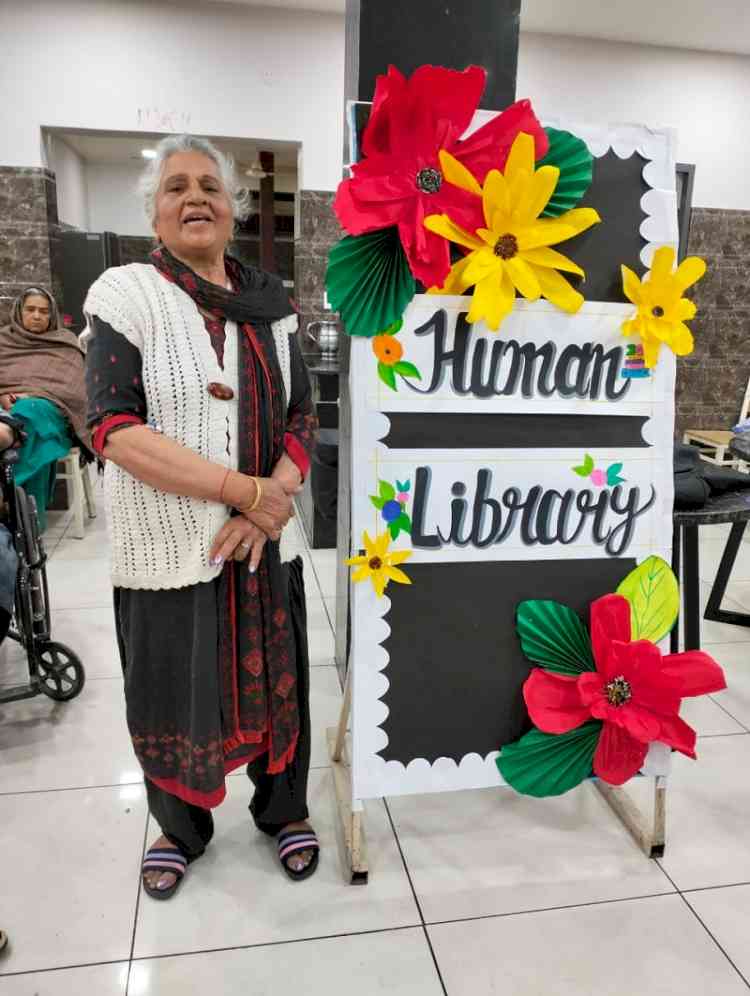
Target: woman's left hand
{"points": [[286, 472], [238, 539]]}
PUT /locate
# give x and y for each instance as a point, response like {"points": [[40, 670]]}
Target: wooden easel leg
{"points": [[350, 810], [650, 835]]}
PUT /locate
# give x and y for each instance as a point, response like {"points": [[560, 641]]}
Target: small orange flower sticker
{"points": [[387, 349]]}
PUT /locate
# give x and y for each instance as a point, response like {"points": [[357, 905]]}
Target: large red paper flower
{"points": [[635, 692], [401, 181]]}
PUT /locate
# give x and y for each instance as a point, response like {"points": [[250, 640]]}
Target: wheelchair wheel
{"points": [[61, 674]]}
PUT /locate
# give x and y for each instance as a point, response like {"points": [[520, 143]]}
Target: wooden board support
{"points": [[649, 834], [350, 815]]}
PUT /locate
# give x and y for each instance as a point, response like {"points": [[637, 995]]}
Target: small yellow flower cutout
{"points": [[662, 310], [513, 252], [378, 564]]}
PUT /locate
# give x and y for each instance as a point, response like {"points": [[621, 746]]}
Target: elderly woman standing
{"points": [[42, 385], [200, 404]]}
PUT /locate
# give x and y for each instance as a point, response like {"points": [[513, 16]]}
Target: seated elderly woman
{"points": [[200, 404], [42, 385]]}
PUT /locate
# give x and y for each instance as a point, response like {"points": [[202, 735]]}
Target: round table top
{"points": [[733, 506]]}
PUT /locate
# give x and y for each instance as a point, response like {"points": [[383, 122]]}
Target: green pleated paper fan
{"points": [[576, 164], [553, 636], [369, 281], [543, 764]]}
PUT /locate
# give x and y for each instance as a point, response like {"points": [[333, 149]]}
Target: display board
{"points": [[531, 464]]}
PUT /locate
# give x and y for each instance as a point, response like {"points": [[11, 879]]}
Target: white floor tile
{"points": [[397, 963], [325, 706], [739, 593], [652, 947], [55, 745], [96, 980], [492, 851], [710, 556], [708, 718], [71, 865], [237, 893], [735, 659], [726, 913], [708, 809], [91, 634], [325, 564], [319, 633], [79, 584]]}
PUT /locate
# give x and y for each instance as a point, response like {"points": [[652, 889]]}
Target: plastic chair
{"points": [[80, 492]]}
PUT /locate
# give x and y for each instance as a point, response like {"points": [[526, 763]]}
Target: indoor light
{"points": [[148, 153]]}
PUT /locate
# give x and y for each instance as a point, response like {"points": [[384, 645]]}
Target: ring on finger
{"points": [[245, 546]]}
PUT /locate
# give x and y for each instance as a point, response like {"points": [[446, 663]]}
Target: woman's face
{"points": [[193, 210], [35, 313]]}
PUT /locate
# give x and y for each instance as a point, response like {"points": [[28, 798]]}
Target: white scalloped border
{"points": [[657, 147], [372, 775]]}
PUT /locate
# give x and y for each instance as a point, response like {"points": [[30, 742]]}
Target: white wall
{"points": [[69, 168], [260, 73], [704, 96], [152, 66], [114, 205]]}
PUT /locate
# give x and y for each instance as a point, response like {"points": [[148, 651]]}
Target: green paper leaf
{"points": [[403, 487], [378, 502], [369, 282], [407, 369], [394, 329], [576, 164], [543, 764], [404, 523], [387, 491], [387, 375], [654, 597], [552, 635], [586, 467], [613, 474], [394, 529]]}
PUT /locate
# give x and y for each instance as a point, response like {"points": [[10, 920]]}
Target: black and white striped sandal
{"points": [[292, 842], [163, 859]]}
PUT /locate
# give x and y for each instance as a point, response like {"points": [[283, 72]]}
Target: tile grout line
{"points": [[427, 937], [734, 718], [115, 785], [205, 951], [697, 916], [137, 904]]}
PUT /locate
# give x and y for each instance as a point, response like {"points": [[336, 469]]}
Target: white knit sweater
{"points": [[159, 540]]}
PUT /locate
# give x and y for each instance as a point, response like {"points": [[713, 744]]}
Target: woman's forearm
{"points": [[166, 465]]}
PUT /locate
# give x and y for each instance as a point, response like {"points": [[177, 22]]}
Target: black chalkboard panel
{"points": [[615, 192], [459, 664], [449, 431]]}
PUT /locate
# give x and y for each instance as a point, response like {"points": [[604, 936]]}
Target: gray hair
{"points": [[150, 178]]}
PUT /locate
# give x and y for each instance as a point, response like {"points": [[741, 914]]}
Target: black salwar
{"points": [[172, 637]]}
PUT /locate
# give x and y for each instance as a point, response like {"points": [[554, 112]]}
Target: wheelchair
{"points": [[54, 669]]}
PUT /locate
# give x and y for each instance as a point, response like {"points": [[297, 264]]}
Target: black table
{"points": [[731, 507]]}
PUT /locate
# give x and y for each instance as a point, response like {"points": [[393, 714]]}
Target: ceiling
{"points": [[717, 25], [112, 147]]}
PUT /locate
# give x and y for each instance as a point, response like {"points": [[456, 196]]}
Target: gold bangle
{"points": [[258, 494]]}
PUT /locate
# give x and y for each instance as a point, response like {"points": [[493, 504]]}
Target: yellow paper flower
{"points": [[662, 310], [378, 564], [513, 252]]}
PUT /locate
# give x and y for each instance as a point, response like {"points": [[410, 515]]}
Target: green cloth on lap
{"points": [[48, 441]]}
